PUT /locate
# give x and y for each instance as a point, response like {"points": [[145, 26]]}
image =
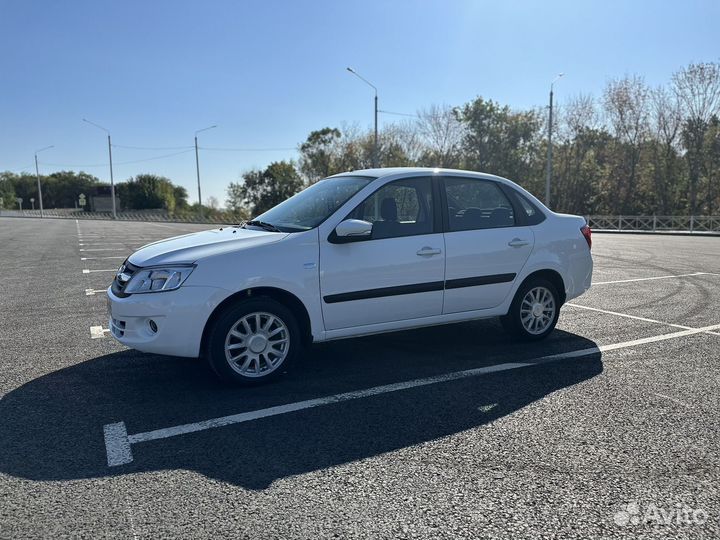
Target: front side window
{"points": [[476, 204], [313, 205], [400, 208]]}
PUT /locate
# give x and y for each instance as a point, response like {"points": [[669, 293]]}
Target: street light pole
{"points": [[37, 174], [112, 180], [197, 169], [548, 174], [375, 147]]}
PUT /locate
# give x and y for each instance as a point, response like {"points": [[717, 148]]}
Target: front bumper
{"points": [[179, 317]]}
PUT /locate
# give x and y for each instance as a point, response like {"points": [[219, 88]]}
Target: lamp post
{"points": [[112, 181], [548, 174], [37, 174], [375, 148], [197, 168]]}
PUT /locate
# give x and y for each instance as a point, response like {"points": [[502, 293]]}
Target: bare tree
{"points": [[442, 135], [626, 106], [213, 202], [413, 144], [665, 124], [698, 89], [577, 172], [577, 115]]}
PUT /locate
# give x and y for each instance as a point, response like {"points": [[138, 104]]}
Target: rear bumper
{"points": [[579, 275], [179, 317]]}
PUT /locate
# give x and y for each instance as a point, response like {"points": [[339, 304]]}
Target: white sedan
{"points": [[357, 253]]}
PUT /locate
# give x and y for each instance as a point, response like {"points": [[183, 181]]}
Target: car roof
{"points": [[402, 171]]}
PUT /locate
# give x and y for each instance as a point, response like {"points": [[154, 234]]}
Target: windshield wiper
{"points": [[263, 225]]}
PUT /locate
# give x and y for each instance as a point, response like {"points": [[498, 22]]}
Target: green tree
{"points": [[61, 189], [181, 198], [501, 141], [148, 191], [319, 154], [261, 190], [7, 190], [711, 169]]}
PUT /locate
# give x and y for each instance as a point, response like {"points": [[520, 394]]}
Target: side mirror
{"points": [[352, 230]]}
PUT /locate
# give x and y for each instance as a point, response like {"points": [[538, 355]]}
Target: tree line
{"points": [[62, 189], [634, 149]]}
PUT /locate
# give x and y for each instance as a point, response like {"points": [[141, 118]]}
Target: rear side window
{"points": [[533, 215], [476, 204]]}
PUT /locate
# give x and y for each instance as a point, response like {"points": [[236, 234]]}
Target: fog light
{"points": [[153, 326]]}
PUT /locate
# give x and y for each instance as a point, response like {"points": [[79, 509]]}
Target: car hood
{"points": [[190, 248]]}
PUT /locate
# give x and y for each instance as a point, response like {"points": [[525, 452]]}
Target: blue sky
{"points": [[268, 72]]}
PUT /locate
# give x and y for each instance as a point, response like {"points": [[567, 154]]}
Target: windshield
{"points": [[313, 205]]}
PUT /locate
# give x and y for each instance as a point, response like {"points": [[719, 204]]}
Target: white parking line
{"points": [[118, 442], [98, 258], [93, 292], [656, 277], [645, 319], [102, 249], [97, 332], [673, 400], [86, 271], [92, 244]]}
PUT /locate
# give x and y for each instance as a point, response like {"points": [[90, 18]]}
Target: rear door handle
{"points": [[518, 242], [427, 251]]}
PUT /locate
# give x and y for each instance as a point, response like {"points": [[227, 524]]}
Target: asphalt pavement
{"points": [[609, 428]]}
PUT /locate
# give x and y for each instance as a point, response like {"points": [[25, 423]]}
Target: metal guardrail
{"points": [[657, 224], [650, 224]]}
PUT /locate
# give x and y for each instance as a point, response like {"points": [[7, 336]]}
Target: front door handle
{"points": [[427, 251], [518, 242]]}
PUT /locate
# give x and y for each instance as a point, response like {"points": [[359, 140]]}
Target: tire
{"points": [[266, 353], [522, 320]]}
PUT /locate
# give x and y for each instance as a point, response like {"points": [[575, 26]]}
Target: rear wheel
{"points": [[534, 311], [253, 341]]}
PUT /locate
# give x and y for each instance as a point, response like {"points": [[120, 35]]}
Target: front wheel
{"points": [[534, 311], [253, 341]]}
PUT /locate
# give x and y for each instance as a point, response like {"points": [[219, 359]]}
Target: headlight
{"points": [[158, 279]]}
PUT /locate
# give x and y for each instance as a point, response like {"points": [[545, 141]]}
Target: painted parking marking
{"points": [[114, 236], [654, 278], [103, 243], [637, 318], [103, 249], [93, 292], [87, 271], [98, 332], [687, 406], [98, 258], [118, 444]]}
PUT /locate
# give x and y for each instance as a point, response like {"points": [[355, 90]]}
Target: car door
{"points": [[396, 273], [485, 246]]}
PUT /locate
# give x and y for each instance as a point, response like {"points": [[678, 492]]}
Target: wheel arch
{"points": [[553, 276], [282, 296]]}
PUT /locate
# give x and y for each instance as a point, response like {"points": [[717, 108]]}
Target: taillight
{"points": [[587, 233]]}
